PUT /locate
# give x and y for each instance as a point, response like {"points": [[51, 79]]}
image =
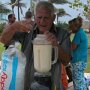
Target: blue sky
{"points": [[74, 13]]}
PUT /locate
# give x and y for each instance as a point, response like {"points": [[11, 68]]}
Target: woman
{"points": [[80, 49]]}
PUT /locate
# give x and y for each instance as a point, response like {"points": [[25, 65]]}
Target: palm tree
{"points": [[58, 1], [13, 2], [4, 9], [18, 4], [61, 12]]}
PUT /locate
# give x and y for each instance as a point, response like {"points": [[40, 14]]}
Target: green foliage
{"points": [[89, 41], [58, 1], [62, 25], [88, 65], [12, 1], [1, 49], [1, 27], [4, 9], [79, 4]]}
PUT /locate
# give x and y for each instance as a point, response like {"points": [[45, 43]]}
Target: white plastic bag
{"points": [[12, 69]]}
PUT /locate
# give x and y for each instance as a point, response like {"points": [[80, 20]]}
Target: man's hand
{"points": [[9, 32], [62, 55], [51, 38], [26, 25]]}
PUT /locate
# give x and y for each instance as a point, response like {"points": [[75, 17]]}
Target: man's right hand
{"points": [[7, 34]]}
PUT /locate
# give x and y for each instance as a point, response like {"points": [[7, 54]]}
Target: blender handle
{"points": [[56, 55]]}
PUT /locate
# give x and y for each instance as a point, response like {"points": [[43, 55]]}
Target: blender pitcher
{"points": [[43, 54]]}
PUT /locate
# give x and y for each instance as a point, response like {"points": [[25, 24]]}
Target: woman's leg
{"points": [[78, 76]]}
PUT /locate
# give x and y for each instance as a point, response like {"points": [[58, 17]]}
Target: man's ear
{"points": [[54, 16]]}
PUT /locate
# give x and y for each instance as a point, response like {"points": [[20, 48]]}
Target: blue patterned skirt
{"points": [[78, 75]]}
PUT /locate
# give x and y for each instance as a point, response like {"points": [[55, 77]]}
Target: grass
{"points": [[1, 49], [89, 42], [88, 66]]}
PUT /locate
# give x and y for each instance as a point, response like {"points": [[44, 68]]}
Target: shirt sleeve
{"points": [[66, 44], [19, 36]]}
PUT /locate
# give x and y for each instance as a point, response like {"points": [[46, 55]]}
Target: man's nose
{"points": [[14, 17], [42, 21]]}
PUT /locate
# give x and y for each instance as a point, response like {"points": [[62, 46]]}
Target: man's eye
{"points": [[46, 17], [39, 17]]}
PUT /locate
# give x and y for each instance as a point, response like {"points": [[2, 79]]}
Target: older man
{"points": [[44, 18]]}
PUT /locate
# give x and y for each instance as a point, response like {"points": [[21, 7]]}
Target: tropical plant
{"points": [[18, 4], [58, 1], [13, 2], [61, 12], [62, 25], [1, 27], [32, 6], [76, 4], [4, 9]]}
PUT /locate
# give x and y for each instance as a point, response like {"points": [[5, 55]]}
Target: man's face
{"points": [[44, 19], [12, 20]]}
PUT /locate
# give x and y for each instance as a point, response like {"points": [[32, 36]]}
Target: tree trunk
{"points": [[18, 11]]}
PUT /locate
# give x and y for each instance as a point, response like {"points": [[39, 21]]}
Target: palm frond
{"points": [[61, 12], [4, 19], [4, 9], [58, 1], [21, 10], [16, 4], [21, 4], [13, 1]]}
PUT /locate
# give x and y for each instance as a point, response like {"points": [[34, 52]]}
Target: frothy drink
{"points": [[42, 57]]}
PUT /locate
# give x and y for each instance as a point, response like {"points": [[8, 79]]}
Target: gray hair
{"points": [[46, 5]]}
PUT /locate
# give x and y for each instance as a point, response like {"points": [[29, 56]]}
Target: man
{"points": [[11, 20], [28, 14], [44, 18], [28, 17]]}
